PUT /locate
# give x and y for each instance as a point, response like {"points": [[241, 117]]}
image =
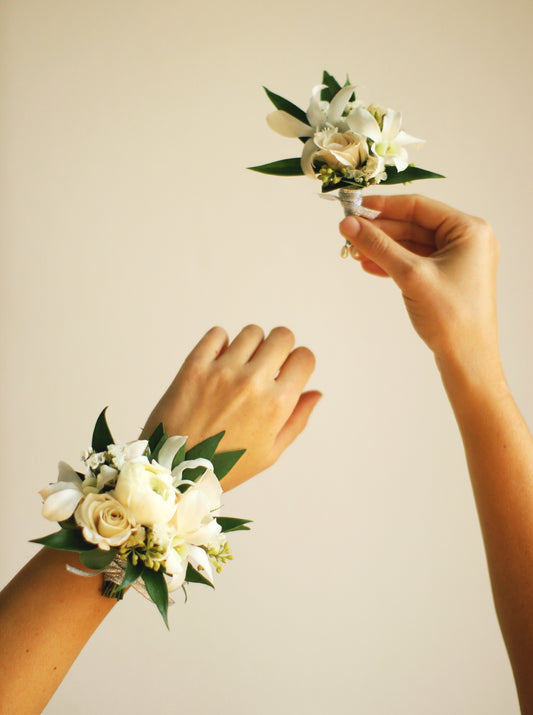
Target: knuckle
{"points": [[193, 369], [222, 377]]}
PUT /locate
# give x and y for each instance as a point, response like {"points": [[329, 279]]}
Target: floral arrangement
{"points": [[145, 513], [346, 144]]}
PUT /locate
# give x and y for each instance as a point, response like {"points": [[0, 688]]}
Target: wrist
{"points": [[468, 374]]}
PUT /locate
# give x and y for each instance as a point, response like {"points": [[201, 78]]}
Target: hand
{"points": [[251, 388], [444, 262]]}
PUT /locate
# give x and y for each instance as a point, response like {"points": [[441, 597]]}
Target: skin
{"points": [[445, 264], [252, 388]]}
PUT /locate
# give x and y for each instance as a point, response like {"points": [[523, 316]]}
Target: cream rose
{"points": [[104, 521], [340, 149], [146, 491]]}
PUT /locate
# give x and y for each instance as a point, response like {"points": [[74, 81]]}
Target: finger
{"points": [[210, 346], [379, 248], [421, 210], [297, 369], [373, 269], [406, 231], [297, 420], [242, 348], [273, 352]]}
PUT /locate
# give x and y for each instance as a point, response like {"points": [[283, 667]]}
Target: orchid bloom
{"points": [[388, 143], [320, 115], [61, 499]]}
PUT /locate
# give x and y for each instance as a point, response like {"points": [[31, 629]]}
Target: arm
{"points": [[444, 262], [253, 389]]}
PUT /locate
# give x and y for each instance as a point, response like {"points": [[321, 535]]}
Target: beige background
{"points": [[130, 226]]}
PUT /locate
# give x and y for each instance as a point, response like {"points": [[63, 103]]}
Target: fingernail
{"points": [[350, 226]]}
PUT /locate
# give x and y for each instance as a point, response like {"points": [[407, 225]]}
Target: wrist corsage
{"points": [[146, 514], [347, 145]]}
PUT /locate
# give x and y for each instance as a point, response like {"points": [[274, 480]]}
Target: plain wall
{"points": [[130, 226]]}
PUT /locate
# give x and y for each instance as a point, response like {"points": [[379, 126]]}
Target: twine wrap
{"points": [[114, 574]]}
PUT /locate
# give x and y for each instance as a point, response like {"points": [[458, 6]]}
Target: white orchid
{"points": [[61, 499], [389, 142], [320, 115], [194, 520]]}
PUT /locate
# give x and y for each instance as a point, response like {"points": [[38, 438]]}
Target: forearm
{"points": [[499, 452], [47, 614]]}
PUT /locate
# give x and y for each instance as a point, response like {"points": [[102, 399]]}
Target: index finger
{"points": [[425, 212]]}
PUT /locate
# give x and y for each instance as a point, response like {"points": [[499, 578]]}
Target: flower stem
{"points": [[112, 590]]}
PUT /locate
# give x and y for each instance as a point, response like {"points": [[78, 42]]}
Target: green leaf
{"points": [[157, 590], [65, 540], [205, 449], [97, 559], [102, 436], [192, 474], [156, 435], [229, 523], [283, 167], [332, 87], [157, 449], [224, 461], [344, 183], [412, 173], [286, 106], [179, 456], [194, 576], [131, 573], [69, 523]]}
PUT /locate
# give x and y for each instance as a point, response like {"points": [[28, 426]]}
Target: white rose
{"points": [[104, 521], [336, 149], [147, 492]]}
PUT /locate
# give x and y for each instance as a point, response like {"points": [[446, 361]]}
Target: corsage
{"points": [[347, 145], [146, 514]]}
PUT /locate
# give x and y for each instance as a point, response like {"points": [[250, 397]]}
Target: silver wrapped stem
{"points": [[352, 203]]}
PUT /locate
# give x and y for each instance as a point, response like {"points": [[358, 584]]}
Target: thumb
{"points": [[376, 245]]}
